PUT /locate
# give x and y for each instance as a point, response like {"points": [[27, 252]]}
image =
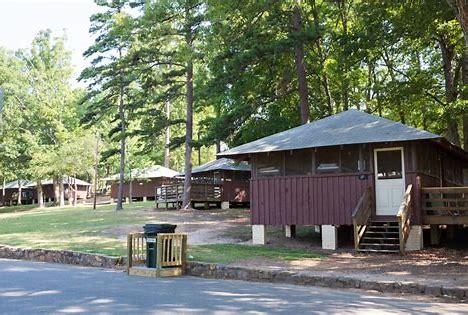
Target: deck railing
{"points": [[199, 193], [445, 205], [171, 250], [404, 217], [361, 215]]}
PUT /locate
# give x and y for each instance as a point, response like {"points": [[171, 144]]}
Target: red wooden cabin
{"points": [[29, 191], [382, 177], [220, 183], [142, 182]]}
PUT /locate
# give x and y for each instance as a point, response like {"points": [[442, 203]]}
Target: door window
{"points": [[389, 164]]}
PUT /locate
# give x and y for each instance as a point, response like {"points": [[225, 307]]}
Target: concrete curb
{"points": [[216, 271]]}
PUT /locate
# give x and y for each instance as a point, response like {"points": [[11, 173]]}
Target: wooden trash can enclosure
{"points": [[171, 255]]}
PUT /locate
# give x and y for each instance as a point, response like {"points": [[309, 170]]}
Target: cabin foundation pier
{"points": [[145, 199], [329, 237], [258, 234], [290, 231], [435, 234], [224, 205], [415, 238]]}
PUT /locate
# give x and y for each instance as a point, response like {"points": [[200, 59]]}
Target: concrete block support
{"points": [[258, 234], [145, 199], [435, 235], [415, 238], [317, 228], [329, 237], [224, 205], [290, 231]]}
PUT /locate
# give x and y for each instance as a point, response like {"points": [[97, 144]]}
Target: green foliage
{"points": [[41, 136]]}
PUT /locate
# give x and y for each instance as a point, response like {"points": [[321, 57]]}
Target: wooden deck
{"points": [[171, 196], [445, 205]]}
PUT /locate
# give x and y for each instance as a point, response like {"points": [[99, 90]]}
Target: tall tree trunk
{"points": [[346, 70], [3, 192], [40, 194], [130, 188], [70, 191], [461, 10], [186, 204], [96, 169], [56, 191], [62, 193], [322, 57], [451, 92], [75, 192], [167, 137], [119, 205], [300, 66], [20, 192]]}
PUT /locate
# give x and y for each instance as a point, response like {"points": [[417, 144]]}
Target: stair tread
{"points": [[379, 244], [377, 250], [382, 227], [381, 232], [380, 238]]}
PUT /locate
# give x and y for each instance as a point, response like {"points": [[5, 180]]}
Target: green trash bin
{"points": [[151, 234]]}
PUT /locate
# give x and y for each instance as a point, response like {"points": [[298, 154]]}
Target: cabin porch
{"points": [[171, 196], [440, 206]]}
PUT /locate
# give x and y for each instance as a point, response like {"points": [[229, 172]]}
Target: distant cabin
{"points": [[220, 183], [384, 179], [29, 190], [141, 183]]}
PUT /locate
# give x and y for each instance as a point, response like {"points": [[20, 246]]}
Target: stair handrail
{"points": [[404, 217], [361, 215]]}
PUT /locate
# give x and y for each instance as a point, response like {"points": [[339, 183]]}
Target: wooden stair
{"points": [[381, 237]]}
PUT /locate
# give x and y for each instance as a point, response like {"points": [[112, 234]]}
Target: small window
{"points": [[389, 164], [350, 159], [328, 160], [269, 164], [298, 162]]}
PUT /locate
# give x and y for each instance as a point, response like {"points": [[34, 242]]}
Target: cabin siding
{"points": [[306, 200], [140, 188], [319, 199]]}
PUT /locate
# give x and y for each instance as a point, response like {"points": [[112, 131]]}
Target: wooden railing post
{"points": [[361, 215], [159, 252], [404, 217], [129, 251]]}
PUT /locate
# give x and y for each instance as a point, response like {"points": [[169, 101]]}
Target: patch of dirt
{"points": [[203, 226], [434, 265]]}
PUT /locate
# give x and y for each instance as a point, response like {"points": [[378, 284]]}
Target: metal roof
{"points": [[29, 184], [150, 172], [224, 164], [348, 127]]}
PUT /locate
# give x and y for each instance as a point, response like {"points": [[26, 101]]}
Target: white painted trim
{"points": [[403, 169]]}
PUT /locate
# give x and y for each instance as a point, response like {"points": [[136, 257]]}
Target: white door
{"points": [[389, 180]]}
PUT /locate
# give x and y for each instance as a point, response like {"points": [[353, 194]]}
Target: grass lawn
{"points": [[80, 229], [229, 253], [97, 231]]}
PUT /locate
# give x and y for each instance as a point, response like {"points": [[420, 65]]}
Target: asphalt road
{"points": [[32, 288]]}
